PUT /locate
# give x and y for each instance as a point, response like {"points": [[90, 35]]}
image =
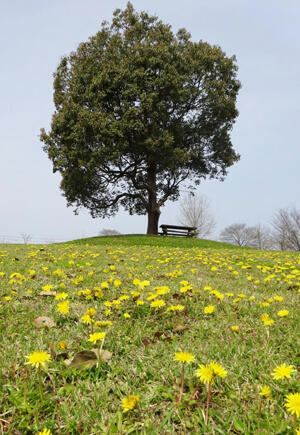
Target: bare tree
{"points": [[105, 232], [286, 229], [237, 234], [260, 237], [194, 212], [26, 238]]}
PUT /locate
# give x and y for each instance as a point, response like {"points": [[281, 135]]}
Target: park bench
{"points": [[175, 230]]}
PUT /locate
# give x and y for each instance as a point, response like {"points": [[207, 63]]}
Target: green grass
{"points": [[143, 346], [149, 240]]}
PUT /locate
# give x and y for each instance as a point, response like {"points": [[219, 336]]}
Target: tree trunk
{"points": [[153, 218], [153, 207]]}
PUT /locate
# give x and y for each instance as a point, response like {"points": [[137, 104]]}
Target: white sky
{"points": [[263, 34]]}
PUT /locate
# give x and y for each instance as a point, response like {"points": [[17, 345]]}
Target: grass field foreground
{"points": [[148, 335]]}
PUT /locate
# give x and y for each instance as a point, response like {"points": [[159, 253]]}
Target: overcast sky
{"points": [[263, 34]]}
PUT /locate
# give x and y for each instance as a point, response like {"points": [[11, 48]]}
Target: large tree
{"points": [[138, 110]]}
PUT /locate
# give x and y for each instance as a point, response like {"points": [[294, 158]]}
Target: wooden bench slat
{"points": [[177, 230]]}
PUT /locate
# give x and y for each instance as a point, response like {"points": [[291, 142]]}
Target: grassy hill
{"points": [[148, 335], [145, 240]]}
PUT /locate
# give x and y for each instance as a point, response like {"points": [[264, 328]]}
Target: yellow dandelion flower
{"points": [[99, 292], [97, 337], [62, 344], [135, 294], [130, 402], [205, 373], [209, 309], [103, 324], [91, 312], [219, 295], [293, 403], [144, 283], [86, 319], [127, 316], [45, 432], [158, 303], [218, 370], [235, 328], [278, 298], [123, 298], [178, 307], [175, 308], [186, 288], [283, 371], [140, 302], [63, 307], [47, 288], [265, 391], [208, 372], [184, 357], [268, 321], [38, 358], [283, 313], [151, 297]]}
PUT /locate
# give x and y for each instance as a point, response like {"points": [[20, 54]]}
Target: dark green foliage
{"points": [[138, 111]]}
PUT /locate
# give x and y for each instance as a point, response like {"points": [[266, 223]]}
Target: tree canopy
{"points": [[139, 110]]}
